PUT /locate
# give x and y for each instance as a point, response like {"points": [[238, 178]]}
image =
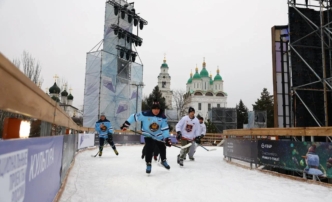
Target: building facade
{"points": [[164, 84], [65, 100], [206, 92]]}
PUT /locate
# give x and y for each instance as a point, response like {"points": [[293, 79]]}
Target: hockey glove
{"points": [[168, 142], [125, 126], [198, 140], [178, 135]]}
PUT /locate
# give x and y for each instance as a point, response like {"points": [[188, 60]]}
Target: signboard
{"points": [[310, 157], [241, 149], [30, 169], [85, 140]]}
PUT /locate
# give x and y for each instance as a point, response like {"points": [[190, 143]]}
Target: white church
{"points": [[205, 91]]}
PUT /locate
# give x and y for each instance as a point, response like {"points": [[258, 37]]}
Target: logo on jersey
{"points": [[154, 127], [103, 127], [189, 128]]}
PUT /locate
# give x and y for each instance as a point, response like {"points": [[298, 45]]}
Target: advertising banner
{"points": [[85, 140], [30, 169], [69, 150], [314, 158], [241, 149]]}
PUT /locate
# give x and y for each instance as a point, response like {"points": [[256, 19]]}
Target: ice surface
{"points": [[208, 178]]}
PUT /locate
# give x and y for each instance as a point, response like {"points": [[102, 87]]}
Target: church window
{"points": [[218, 105], [208, 94], [220, 94], [164, 70], [199, 106], [163, 76], [163, 84], [198, 93], [209, 106]]}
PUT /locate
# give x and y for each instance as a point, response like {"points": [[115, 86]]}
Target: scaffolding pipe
{"points": [[323, 62]]}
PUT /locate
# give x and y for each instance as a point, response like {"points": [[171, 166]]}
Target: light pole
{"points": [[140, 84]]}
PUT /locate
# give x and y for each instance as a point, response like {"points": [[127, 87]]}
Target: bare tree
{"points": [[182, 100], [31, 68], [17, 63]]}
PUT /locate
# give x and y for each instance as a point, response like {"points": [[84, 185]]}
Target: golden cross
{"points": [[46, 90], [70, 89], [55, 77], [65, 86]]}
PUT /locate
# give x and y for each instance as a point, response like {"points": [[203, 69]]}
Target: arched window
{"points": [[208, 94], [220, 95], [198, 93]]}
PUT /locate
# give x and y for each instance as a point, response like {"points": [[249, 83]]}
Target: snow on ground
{"points": [[208, 178]]}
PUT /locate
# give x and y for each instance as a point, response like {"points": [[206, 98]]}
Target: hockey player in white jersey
{"points": [[193, 147], [188, 130]]}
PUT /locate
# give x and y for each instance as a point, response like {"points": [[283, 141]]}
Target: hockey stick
{"points": [[213, 149], [95, 155], [221, 143], [183, 147]]}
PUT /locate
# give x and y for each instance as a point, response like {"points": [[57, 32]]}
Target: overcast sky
{"points": [[234, 35]]}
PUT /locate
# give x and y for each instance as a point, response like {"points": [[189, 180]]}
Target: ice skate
{"points": [[148, 168], [165, 164]]}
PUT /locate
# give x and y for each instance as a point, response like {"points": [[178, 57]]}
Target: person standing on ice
{"points": [[193, 147], [188, 129], [105, 132], [156, 131]]}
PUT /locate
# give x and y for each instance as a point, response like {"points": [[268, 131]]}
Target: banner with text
{"points": [[85, 140], [241, 149], [30, 169], [314, 158]]}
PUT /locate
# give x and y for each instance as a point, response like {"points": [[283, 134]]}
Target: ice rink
{"points": [[208, 178]]}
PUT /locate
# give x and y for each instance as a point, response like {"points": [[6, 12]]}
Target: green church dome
{"points": [[54, 89], [190, 80], [70, 97], [196, 75], [217, 77], [204, 73], [64, 93], [164, 65], [55, 98]]}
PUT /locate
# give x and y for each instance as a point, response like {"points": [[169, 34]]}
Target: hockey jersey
{"points": [[103, 127], [190, 128], [152, 125], [203, 129]]}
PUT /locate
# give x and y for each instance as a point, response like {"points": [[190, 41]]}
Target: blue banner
{"points": [[30, 169]]}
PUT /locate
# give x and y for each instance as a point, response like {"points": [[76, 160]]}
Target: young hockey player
{"points": [[193, 147], [155, 152], [188, 130], [105, 131], [156, 132]]}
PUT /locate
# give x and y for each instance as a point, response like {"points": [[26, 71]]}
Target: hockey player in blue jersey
{"points": [[105, 132], [156, 132]]}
